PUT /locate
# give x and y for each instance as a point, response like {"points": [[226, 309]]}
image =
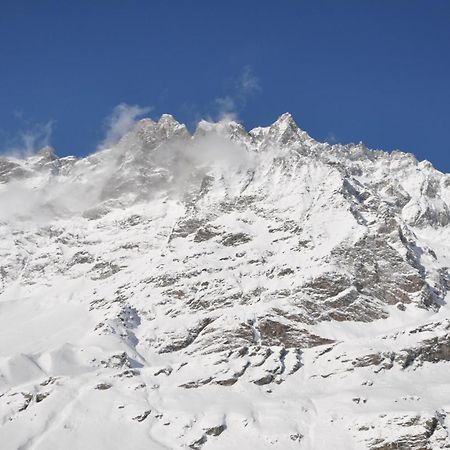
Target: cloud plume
{"points": [[120, 121], [245, 86], [248, 83], [29, 140]]}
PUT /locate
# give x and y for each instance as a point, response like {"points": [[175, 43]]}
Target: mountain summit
{"points": [[226, 289]]}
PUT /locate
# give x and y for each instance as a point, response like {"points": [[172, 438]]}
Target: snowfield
{"points": [[224, 290]]}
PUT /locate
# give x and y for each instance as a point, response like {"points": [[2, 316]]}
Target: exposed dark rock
{"points": [[216, 431], [103, 386], [27, 400], [289, 335], [197, 445], [143, 416], [103, 270], [41, 396], [196, 384], [432, 350], [184, 341], [205, 234], [235, 239], [266, 379], [186, 226], [81, 257]]}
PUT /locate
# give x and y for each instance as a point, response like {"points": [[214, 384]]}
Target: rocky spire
{"points": [[285, 131]]}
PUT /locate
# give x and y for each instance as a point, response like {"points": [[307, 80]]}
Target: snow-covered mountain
{"points": [[224, 290]]}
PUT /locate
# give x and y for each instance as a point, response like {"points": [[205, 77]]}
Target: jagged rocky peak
{"points": [[283, 132], [172, 127], [305, 289], [284, 123], [148, 134], [286, 131], [225, 128]]}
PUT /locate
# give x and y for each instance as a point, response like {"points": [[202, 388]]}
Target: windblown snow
{"points": [[224, 290]]}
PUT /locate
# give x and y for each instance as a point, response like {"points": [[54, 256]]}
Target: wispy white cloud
{"points": [[120, 121], [30, 139], [226, 108], [37, 137], [182, 164], [246, 85]]}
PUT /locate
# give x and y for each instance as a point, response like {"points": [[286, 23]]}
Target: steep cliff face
{"points": [[224, 290]]}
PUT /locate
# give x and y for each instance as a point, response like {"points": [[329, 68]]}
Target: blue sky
{"points": [[350, 70]]}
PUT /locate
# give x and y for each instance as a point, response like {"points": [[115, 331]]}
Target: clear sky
{"points": [[349, 70]]}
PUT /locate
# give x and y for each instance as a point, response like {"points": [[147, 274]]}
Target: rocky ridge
{"points": [[256, 288]]}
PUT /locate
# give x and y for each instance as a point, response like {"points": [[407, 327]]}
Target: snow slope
{"points": [[224, 290]]}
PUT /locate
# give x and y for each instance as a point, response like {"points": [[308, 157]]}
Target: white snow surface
{"points": [[224, 290]]}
